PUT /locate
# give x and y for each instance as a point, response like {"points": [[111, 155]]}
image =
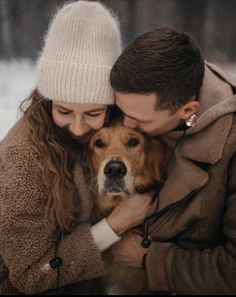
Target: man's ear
{"points": [[189, 108], [157, 153]]}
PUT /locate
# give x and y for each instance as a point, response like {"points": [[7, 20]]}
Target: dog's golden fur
{"points": [[144, 160]]}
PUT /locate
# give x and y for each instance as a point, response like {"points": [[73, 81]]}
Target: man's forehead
{"points": [[136, 106]]}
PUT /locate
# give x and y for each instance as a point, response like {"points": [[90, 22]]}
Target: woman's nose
{"points": [[130, 123], [78, 127]]}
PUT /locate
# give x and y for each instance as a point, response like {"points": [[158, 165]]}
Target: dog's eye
{"points": [[133, 142], [99, 143]]}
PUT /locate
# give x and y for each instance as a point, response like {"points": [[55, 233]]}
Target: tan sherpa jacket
{"points": [[194, 233], [27, 244]]}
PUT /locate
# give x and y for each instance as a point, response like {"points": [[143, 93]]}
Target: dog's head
{"points": [[125, 161]]}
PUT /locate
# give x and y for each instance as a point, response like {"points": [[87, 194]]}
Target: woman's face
{"points": [[78, 119]]}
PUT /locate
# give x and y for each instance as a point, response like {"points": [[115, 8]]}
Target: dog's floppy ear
{"points": [[157, 156]]}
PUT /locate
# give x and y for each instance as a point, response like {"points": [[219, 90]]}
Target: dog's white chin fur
{"points": [[114, 194]]}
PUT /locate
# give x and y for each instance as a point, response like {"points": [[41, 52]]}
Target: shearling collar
{"points": [[207, 145], [186, 176], [215, 98], [204, 143]]}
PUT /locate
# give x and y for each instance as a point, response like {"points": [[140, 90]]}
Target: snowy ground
{"points": [[17, 79]]}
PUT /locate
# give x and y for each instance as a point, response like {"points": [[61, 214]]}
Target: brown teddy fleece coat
{"points": [[194, 233], [27, 243]]}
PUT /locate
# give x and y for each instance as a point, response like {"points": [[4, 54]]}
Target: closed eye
{"points": [[95, 113], [64, 112]]}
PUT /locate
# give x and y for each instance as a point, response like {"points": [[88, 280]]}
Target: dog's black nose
{"points": [[115, 170]]}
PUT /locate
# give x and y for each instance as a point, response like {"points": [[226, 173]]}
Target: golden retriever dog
{"points": [[125, 162]]}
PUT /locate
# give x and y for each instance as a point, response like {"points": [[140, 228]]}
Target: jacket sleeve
{"points": [[209, 271], [27, 243]]}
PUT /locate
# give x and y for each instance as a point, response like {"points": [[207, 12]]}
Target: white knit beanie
{"points": [[81, 46]]}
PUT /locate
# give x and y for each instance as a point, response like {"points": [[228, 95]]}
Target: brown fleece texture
{"points": [[27, 242]]}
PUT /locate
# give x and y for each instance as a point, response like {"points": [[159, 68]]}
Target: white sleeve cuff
{"points": [[103, 235]]}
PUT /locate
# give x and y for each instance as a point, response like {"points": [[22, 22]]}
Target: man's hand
{"points": [[131, 212], [129, 251]]}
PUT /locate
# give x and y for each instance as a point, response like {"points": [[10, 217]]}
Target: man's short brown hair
{"points": [[164, 62]]}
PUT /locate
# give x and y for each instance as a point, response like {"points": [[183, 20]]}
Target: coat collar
{"points": [[205, 141], [186, 176], [207, 146], [226, 77]]}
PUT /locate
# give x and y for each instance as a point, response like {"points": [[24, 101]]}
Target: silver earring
{"points": [[191, 121]]}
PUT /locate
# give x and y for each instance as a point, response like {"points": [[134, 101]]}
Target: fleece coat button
{"points": [[55, 262]]}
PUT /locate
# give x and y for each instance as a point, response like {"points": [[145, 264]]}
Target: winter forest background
{"points": [[23, 24]]}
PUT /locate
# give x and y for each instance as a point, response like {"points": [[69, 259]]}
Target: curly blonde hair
{"points": [[52, 145]]}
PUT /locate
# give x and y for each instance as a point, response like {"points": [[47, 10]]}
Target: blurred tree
{"points": [[5, 37], [23, 23], [219, 32]]}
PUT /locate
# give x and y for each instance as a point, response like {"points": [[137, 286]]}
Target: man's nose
{"points": [[130, 123]]}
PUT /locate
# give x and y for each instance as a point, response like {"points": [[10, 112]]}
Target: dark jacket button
{"points": [[55, 262]]}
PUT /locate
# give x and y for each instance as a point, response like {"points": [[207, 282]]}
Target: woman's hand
{"points": [[131, 212]]}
